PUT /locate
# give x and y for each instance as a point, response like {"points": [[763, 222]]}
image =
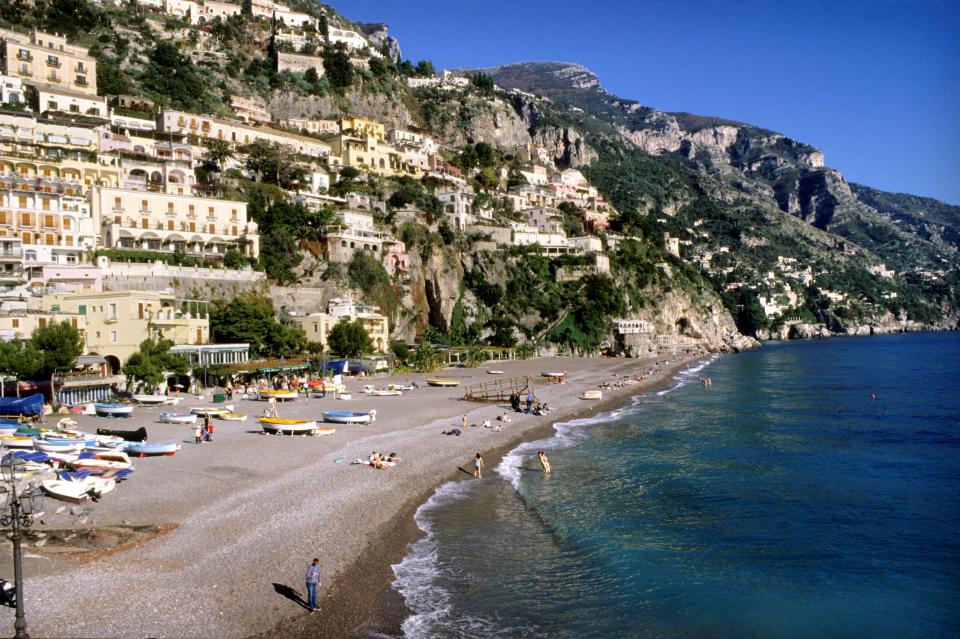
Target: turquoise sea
{"points": [[785, 501]]}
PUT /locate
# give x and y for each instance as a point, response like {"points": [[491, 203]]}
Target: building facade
{"points": [[46, 59]]}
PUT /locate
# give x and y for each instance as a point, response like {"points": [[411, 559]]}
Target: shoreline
{"points": [[381, 611], [251, 510]]}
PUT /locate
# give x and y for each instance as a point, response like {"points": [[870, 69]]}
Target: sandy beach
{"points": [[240, 517]]}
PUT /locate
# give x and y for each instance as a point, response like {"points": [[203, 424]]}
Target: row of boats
{"points": [[73, 465]]}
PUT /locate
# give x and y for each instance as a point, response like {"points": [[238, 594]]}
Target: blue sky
{"points": [[875, 84]]}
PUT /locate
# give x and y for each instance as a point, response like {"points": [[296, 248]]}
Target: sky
{"points": [[875, 84]]}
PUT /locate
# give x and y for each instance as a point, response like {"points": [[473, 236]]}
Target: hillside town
{"points": [[98, 190]]}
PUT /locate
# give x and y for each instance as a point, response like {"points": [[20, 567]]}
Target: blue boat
{"points": [[349, 417], [147, 449], [113, 410]]}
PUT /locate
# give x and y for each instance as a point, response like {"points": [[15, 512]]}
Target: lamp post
{"points": [[21, 509]]}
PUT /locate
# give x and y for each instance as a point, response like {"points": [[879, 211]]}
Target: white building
{"points": [[71, 102], [351, 39], [11, 90]]}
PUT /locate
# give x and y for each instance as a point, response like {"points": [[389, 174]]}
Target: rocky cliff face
{"points": [[393, 113], [378, 34]]}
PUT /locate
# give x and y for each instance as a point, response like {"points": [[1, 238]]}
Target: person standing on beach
{"points": [[209, 429], [544, 461], [313, 580], [478, 466], [197, 434], [463, 422]]}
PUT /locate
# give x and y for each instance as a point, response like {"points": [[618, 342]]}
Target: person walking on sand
{"points": [[544, 461], [463, 422], [197, 434], [209, 429], [478, 466], [313, 580]]}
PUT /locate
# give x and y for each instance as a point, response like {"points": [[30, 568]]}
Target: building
{"points": [[45, 59], [11, 90], [250, 110], [210, 128], [631, 327], [198, 355], [118, 321], [11, 261], [316, 127], [367, 152], [548, 243], [163, 222], [317, 326], [64, 101], [210, 10], [297, 63], [354, 232], [350, 39], [54, 228], [361, 127], [19, 323]]}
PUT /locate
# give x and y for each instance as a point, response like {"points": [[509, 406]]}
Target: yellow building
{"points": [[151, 221], [363, 127], [317, 326], [116, 322], [20, 324], [47, 59], [368, 153]]}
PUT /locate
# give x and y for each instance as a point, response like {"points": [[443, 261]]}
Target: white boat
{"points": [[76, 492], [211, 410], [369, 389], [494, 372], [324, 430], [178, 418], [350, 417], [63, 446], [99, 465], [279, 395], [17, 442], [113, 410], [151, 400], [592, 394]]}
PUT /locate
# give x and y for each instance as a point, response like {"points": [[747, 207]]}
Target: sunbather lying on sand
{"points": [[452, 431]]}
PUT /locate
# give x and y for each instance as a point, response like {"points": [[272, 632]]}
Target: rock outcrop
{"points": [[378, 34]]}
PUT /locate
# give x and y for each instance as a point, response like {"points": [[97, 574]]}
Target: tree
{"points": [[274, 163], [233, 258], [349, 339], [284, 340], [58, 346], [367, 272], [220, 151], [279, 255], [426, 357], [244, 319], [174, 76], [425, 69], [337, 67], [151, 361], [18, 359]]}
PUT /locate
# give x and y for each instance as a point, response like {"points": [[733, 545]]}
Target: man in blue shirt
{"points": [[313, 580]]}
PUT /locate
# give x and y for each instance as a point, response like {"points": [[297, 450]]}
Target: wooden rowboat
{"points": [[279, 395], [113, 410], [178, 418], [443, 382], [232, 417], [279, 425], [592, 394], [350, 417]]}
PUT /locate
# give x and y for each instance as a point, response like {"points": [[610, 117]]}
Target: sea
{"points": [[812, 491]]}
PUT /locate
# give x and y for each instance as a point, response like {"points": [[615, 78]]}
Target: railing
{"points": [[26, 57]]}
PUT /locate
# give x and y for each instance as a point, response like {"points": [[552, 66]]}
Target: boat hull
{"points": [[113, 410], [175, 418], [276, 425], [147, 449], [443, 383], [280, 396], [348, 417]]}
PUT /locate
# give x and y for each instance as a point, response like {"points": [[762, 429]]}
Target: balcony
{"points": [[53, 78], [53, 62], [81, 81], [25, 56]]}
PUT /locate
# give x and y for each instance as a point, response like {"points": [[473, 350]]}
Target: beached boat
{"points": [[211, 410], [401, 387], [106, 435], [553, 374], [324, 430], [59, 446], [148, 449], [178, 418], [369, 389], [113, 410], [279, 395], [233, 417], [443, 382], [495, 372], [77, 487], [99, 466], [349, 417], [17, 442], [324, 386], [151, 400], [279, 425], [592, 394]]}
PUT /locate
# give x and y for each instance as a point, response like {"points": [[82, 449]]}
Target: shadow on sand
{"points": [[290, 594]]}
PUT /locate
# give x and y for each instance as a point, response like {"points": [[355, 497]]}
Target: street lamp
{"points": [[22, 508]]}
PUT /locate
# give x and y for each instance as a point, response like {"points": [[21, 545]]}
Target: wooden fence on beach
{"points": [[498, 390]]}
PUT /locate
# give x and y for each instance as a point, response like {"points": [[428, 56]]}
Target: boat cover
{"points": [[138, 435], [30, 405]]}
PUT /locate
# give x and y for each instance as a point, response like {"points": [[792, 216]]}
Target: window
{"points": [[67, 223], [16, 323], [82, 309], [191, 209], [143, 205], [169, 225], [74, 108], [113, 337], [112, 312]]}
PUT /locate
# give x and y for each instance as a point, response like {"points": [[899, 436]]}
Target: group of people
{"points": [[530, 405], [203, 432]]}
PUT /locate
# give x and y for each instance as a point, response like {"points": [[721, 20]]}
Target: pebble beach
{"points": [[233, 523]]}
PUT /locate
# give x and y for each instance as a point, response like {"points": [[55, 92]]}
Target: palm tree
{"points": [[220, 151]]}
